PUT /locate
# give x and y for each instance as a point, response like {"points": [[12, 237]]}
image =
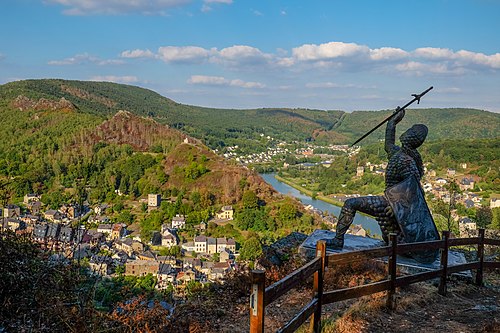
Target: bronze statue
{"points": [[402, 208]]}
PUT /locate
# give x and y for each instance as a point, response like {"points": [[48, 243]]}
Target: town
{"points": [[111, 248]]}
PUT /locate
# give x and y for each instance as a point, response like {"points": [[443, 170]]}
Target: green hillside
{"points": [[217, 127], [222, 127], [443, 123]]}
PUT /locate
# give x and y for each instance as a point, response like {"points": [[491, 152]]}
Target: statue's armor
{"points": [[401, 166]]}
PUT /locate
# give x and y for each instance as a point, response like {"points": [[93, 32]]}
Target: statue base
{"points": [[356, 243]]}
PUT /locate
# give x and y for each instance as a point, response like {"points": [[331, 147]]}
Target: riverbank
{"points": [[309, 192]]}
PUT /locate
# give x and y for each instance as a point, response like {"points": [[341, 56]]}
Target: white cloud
{"points": [[327, 57], [388, 53], [116, 79], [184, 54], [328, 85], [85, 58], [241, 55], [221, 81], [207, 80], [117, 7], [467, 57], [137, 53], [328, 51], [243, 84], [433, 53]]}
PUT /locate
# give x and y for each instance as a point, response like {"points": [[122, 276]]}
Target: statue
{"points": [[402, 208]]}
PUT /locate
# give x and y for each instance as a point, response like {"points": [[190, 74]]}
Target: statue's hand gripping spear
{"points": [[416, 98]]}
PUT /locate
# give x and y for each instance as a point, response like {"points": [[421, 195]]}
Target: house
{"points": [[192, 263], [185, 276], [221, 244], [34, 207], [40, 231], [53, 230], [146, 255], [206, 267], [118, 230], [451, 172], [166, 274], [231, 245], [13, 224], [100, 209], [66, 234], [468, 203], [53, 215], [11, 210], [466, 184], [169, 240], [121, 256], [189, 247], [30, 220], [105, 229], [30, 197], [357, 230], [129, 246], [219, 271], [224, 244], [494, 203], [226, 213], [211, 245], [467, 227], [142, 267], [101, 265], [200, 244], [360, 171], [178, 222], [225, 255], [154, 200]]}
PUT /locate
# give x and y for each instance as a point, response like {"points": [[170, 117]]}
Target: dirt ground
{"points": [[419, 308]]}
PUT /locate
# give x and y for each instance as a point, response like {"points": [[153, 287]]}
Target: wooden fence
{"points": [[261, 296]]}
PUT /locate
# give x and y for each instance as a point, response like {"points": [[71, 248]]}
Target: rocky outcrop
{"points": [[24, 103]]}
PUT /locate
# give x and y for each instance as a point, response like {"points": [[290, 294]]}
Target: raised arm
{"points": [[390, 131]]}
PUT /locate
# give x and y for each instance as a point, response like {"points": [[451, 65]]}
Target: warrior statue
{"points": [[402, 209]]}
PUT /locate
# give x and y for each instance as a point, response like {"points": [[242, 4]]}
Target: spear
{"points": [[416, 97]]}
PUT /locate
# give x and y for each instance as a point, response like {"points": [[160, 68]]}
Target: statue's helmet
{"points": [[414, 136]]}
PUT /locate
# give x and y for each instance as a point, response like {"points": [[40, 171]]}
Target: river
{"points": [[368, 223]]}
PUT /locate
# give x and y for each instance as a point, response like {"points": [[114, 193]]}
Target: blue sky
{"points": [[347, 55]]}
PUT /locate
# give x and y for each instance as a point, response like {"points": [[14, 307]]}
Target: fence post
{"points": [[391, 294], [315, 325], [444, 264], [257, 301], [480, 258]]}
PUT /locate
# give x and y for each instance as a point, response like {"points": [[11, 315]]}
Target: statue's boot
{"points": [[345, 219]]}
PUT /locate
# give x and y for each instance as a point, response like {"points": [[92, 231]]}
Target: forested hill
{"points": [[219, 127]]}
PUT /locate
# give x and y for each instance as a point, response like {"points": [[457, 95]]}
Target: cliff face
{"points": [[141, 133]]}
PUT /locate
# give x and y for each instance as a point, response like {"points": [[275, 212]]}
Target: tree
{"points": [[250, 200], [251, 249], [484, 217], [495, 223]]}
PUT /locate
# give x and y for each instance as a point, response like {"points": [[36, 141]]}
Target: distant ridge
{"points": [[222, 126]]}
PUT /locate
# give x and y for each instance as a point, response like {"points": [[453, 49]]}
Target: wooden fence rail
{"points": [[261, 297]]}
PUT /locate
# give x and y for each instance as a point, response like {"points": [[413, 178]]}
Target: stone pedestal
{"points": [[356, 243]]}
